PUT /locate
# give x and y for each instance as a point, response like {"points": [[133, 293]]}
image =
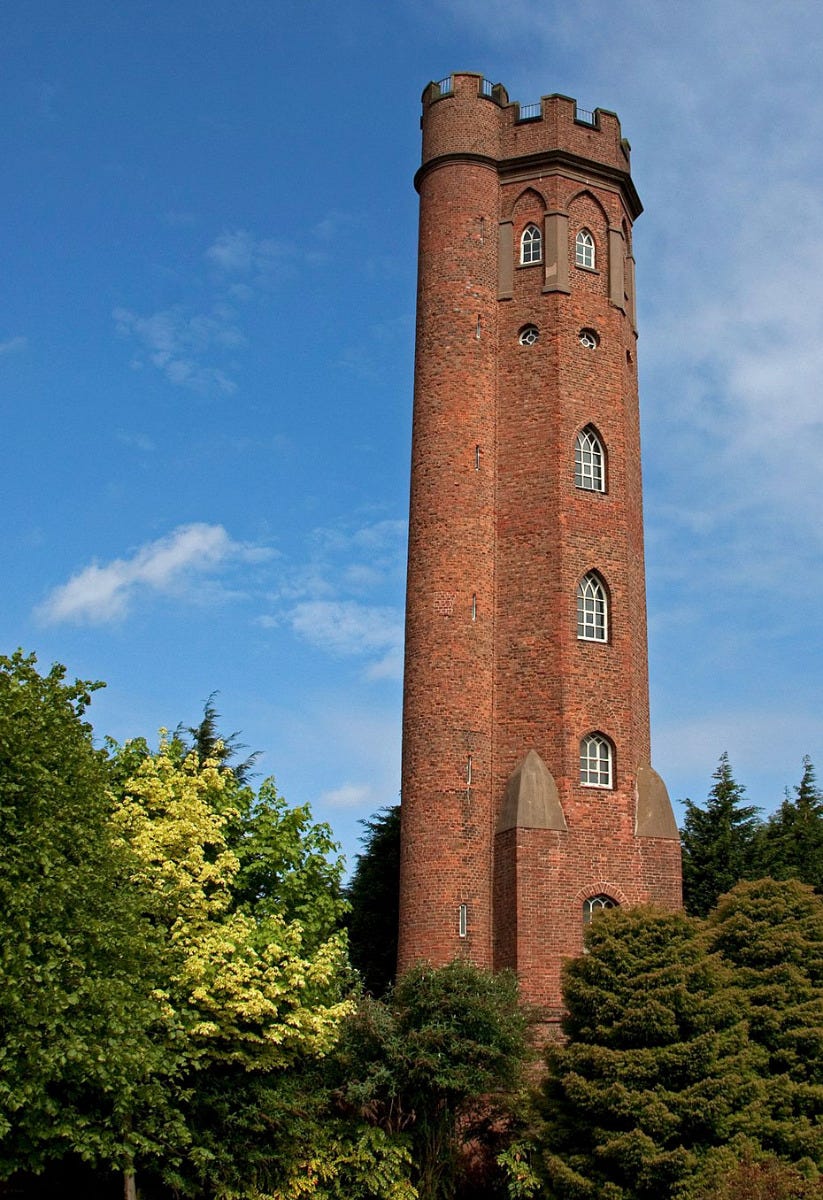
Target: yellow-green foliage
{"points": [[235, 990]]}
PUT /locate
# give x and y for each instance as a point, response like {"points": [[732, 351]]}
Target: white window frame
{"points": [[596, 904], [589, 461], [592, 609], [531, 246], [596, 761], [585, 254]]}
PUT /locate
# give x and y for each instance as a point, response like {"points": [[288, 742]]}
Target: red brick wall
{"points": [[511, 675]]}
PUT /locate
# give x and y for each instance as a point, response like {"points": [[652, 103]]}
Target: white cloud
{"points": [[729, 163], [348, 628], [194, 349], [348, 795], [347, 598], [169, 565], [237, 252], [13, 345], [177, 343]]}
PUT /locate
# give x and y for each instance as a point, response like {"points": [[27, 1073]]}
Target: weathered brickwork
{"points": [[500, 537]]}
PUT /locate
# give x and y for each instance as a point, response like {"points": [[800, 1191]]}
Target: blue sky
{"points": [[206, 343]]}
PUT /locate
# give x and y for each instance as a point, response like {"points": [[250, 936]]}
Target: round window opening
{"points": [[529, 335], [588, 338]]}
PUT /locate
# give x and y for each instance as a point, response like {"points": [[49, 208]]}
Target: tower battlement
{"points": [[466, 113], [528, 797]]}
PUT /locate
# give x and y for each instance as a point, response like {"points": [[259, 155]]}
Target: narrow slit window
{"points": [[462, 920], [477, 458]]}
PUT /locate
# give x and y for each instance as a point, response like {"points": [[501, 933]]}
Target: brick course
{"points": [[499, 537]]}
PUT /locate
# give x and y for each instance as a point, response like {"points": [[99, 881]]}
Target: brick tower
{"points": [[528, 798]]}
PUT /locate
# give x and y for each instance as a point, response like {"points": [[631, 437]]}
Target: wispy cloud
{"points": [[238, 252], [729, 250], [171, 565], [347, 628], [346, 598], [194, 344], [348, 795], [179, 343], [13, 345]]}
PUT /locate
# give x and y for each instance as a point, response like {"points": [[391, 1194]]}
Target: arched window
{"points": [[595, 904], [589, 461], [584, 249], [596, 761], [592, 609], [531, 245]]}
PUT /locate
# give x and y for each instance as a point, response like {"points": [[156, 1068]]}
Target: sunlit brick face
{"points": [[525, 618]]}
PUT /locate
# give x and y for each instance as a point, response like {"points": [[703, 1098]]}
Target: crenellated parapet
{"points": [[466, 116], [529, 803]]}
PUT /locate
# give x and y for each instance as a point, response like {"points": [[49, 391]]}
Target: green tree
{"points": [[78, 1057], [791, 840], [657, 1075], [248, 894], [288, 865], [771, 934], [418, 1062], [246, 995], [718, 842], [374, 895], [172, 971], [207, 742]]}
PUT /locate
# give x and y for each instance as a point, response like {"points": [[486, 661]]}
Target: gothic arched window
{"points": [[531, 245], [584, 250], [592, 609], [589, 461], [596, 760], [592, 905]]}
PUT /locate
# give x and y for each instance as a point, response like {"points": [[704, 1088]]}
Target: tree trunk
{"points": [[129, 1186]]}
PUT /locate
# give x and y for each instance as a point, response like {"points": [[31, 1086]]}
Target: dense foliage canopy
{"points": [[179, 1005], [693, 1053], [172, 968], [422, 1059]]}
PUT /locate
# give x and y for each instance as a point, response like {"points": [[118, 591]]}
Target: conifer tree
{"points": [[718, 842], [791, 841], [374, 894], [771, 934], [658, 1074]]}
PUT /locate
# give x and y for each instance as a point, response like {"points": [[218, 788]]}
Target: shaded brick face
{"points": [[500, 538]]}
